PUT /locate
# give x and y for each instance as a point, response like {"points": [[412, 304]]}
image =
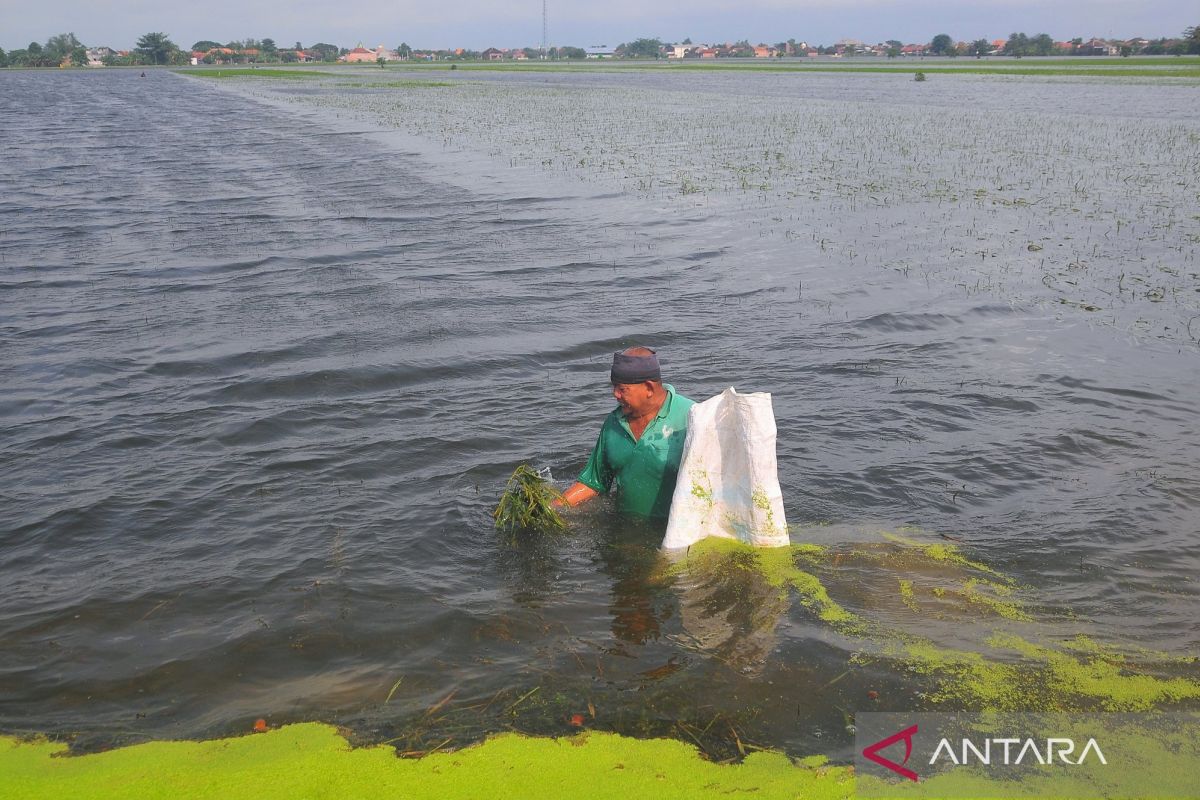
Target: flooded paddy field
{"points": [[272, 347], [1011, 188]]}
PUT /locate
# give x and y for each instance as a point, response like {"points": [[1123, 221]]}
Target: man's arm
{"points": [[578, 493], [595, 479]]}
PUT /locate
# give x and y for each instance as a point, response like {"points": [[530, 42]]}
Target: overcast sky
{"points": [[478, 24]]}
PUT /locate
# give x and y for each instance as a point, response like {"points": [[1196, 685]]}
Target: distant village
{"points": [[65, 50], [1019, 45]]}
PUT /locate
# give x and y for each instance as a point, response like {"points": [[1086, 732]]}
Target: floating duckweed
{"points": [[778, 568], [1099, 679], [1045, 680], [946, 553], [1080, 675], [965, 679], [810, 552], [313, 760], [1088, 645], [971, 590], [1007, 673]]}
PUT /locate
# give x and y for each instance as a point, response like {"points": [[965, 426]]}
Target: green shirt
{"points": [[644, 470]]}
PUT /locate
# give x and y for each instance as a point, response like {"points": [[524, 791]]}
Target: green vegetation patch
{"points": [[314, 761]]}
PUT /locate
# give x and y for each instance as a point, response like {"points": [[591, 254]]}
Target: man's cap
{"points": [[628, 368]]}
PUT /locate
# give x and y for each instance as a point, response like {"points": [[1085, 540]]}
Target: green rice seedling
{"points": [[528, 503]]}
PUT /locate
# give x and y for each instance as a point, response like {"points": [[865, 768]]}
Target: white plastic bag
{"points": [[729, 478]]}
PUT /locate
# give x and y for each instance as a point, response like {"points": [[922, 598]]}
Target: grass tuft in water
{"points": [[528, 503]]}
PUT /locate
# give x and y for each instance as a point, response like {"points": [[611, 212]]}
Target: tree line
{"points": [[65, 49], [156, 48], [60, 48], [1018, 45], [265, 51]]}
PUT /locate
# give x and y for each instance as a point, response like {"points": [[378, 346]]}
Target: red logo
{"points": [[872, 752]]}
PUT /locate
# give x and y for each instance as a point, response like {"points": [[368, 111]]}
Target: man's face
{"points": [[635, 399]]}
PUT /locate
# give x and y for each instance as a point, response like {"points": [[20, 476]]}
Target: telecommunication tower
{"points": [[544, 54]]}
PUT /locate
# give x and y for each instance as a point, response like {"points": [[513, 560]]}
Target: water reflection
{"points": [[729, 610], [640, 604], [531, 562]]}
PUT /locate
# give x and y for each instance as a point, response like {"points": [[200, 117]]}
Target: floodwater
{"points": [[270, 351]]}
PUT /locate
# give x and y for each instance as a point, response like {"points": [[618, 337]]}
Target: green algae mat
{"points": [[311, 760]]}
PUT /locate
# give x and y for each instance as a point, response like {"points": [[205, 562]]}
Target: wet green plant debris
{"points": [[528, 504]]}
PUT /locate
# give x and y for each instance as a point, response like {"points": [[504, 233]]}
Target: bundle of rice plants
{"points": [[528, 503]]}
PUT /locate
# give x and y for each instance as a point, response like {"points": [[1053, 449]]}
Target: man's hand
{"points": [[579, 493]]}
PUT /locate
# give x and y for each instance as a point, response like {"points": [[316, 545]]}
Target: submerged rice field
{"points": [[266, 382], [1028, 191]]}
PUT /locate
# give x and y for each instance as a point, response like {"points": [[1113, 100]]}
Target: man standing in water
{"points": [[641, 441]]}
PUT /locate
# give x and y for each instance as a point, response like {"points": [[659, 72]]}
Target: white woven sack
{"points": [[729, 477]]}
